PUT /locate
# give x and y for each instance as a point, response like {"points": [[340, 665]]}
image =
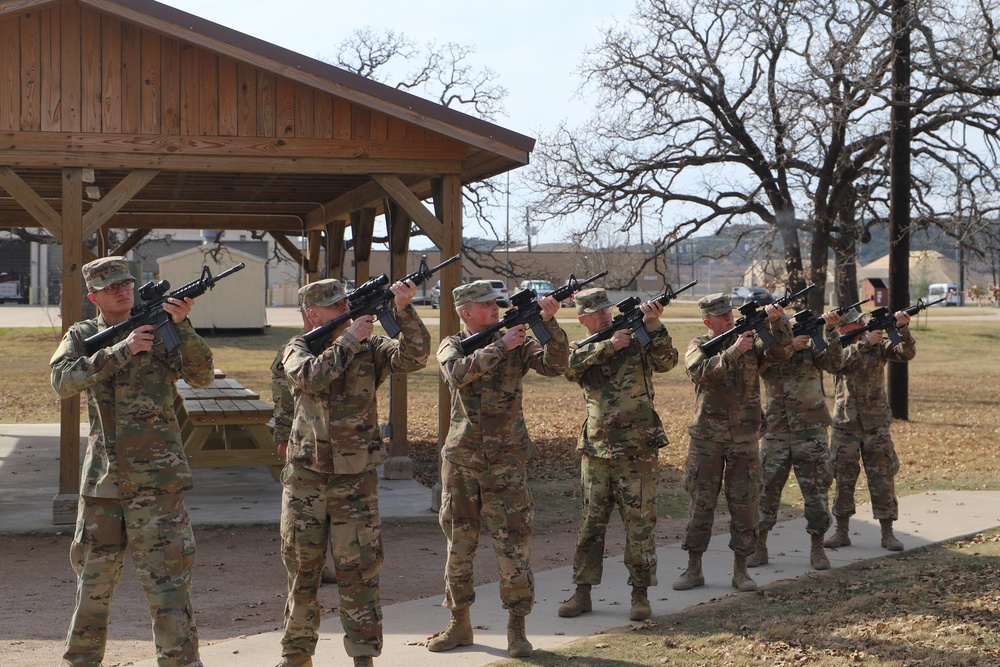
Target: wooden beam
{"points": [[363, 226], [335, 249], [70, 297], [399, 465], [449, 202], [14, 7], [31, 202], [289, 247], [234, 221], [208, 146], [425, 220], [131, 242], [113, 202], [313, 247]]}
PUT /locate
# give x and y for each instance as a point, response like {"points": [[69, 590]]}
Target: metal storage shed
{"points": [[234, 303]]}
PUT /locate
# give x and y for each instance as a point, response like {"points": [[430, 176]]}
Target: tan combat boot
{"points": [[817, 557], [458, 632], [692, 575], [759, 557], [839, 537], [578, 604], [640, 610], [889, 540], [518, 645], [296, 660], [741, 578]]}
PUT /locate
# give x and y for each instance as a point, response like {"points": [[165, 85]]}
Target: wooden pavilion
{"points": [[132, 115]]}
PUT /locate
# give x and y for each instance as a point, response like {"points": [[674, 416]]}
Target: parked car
{"points": [[544, 288], [740, 295], [500, 293]]}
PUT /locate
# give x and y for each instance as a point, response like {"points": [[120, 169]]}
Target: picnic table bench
{"points": [[225, 425]]}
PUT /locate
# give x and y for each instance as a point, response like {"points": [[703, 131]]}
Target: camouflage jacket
{"points": [[335, 426], [795, 397], [860, 402], [727, 386], [135, 446], [281, 396], [487, 423], [618, 390]]}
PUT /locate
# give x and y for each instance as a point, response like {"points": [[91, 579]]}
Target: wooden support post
{"points": [[64, 504], [399, 465], [448, 207], [363, 223], [335, 249], [313, 246]]}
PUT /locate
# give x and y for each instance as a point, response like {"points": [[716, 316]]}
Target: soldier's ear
{"points": [[91, 297]]}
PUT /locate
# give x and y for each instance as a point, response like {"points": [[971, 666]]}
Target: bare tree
{"points": [[717, 113]]}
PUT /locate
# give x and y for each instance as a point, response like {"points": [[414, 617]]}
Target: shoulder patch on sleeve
{"points": [[288, 353]]}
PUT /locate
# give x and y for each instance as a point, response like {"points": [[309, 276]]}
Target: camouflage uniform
{"points": [[483, 473], [134, 477], [861, 419], [281, 396], [619, 439], [330, 474], [797, 418], [724, 435]]}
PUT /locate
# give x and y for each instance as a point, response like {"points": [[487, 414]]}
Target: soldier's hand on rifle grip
{"points": [[178, 309], [514, 337], [744, 342], [800, 343], [549, 307], [832, 320], [651, 311], [902, 318], [141, 339], [404, 291], [362, 327], [621, 339], [875, 337], [774, 311]]}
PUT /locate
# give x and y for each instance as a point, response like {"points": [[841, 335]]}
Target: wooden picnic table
{"points": [[225, 425]]}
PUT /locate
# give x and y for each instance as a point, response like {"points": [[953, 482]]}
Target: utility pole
{"points": [[899, 199]]}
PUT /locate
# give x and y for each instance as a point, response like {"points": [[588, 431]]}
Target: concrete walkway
{"points": [[29, 476]]}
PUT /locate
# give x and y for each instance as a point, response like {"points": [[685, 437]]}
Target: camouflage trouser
{"points": [[500, 497], [156, 530], [708, 463], [808, 453], [631, 485], [354, 532], [875, 448]]}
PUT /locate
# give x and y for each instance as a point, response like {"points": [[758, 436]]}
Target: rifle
{"points": [[372, 298], [882, 318], [154, 295], [807, 324], [754, 318], [631, 317], [526, 311]]}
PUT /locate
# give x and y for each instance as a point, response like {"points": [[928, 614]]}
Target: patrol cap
{"points": [[592, 300], [106, 271], [322, 293], [851, 316], [479, 291], [715, 304]]}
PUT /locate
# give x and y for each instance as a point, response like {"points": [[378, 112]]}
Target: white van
{"points": [[948, 290]]}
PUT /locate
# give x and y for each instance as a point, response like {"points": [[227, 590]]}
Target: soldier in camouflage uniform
{"points": [[861, 419], [284, 410], [330, 481], [134, 473], [483, 460], [724, 433], [620, 440], [797, 418]]}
